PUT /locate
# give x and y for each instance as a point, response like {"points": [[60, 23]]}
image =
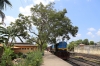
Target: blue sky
{"points": [[83, 13]]}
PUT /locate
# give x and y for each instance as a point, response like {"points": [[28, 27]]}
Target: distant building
{"points": [[23, 47]]}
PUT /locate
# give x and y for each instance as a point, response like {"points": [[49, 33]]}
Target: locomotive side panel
{"points": [[60, 50]]}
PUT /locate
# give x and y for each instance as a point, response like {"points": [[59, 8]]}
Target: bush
{"points": [[32, 59], [20, 54], [6, 56], [13, 56]]}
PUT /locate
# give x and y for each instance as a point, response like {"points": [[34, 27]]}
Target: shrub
{"points": [[13, 56], [6, 56], [20, 54], [32, 59]]}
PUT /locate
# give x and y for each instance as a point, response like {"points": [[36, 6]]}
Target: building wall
{"points": [[88, 49], [25, 49]]}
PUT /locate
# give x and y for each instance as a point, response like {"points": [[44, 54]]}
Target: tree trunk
{"points": [[20, 39], [40, 47], [1, 51]]}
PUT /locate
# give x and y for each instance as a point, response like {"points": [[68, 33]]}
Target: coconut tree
{"points": [[3, 4], [2, 33]]}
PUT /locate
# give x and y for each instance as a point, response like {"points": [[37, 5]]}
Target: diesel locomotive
{"points": [[60, 50]]}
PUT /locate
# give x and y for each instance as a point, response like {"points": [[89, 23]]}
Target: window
{"points": [[27, 48]]}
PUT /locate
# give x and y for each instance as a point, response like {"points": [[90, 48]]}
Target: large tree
{"points": [[86, 42], [19, 28], [2, 33], [78, 42], [51, 23], [16, 29], [91, 43], [71, 46], [3, 4]]}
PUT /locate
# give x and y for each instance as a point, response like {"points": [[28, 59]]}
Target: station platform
{"points": [[51, 60]]}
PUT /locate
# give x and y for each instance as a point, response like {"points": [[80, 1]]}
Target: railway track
{"points": [[75, 62], [84, 60], [87, 55]]}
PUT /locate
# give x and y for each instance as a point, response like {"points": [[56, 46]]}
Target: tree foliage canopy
{"points": [[86, 42], [49, 22], [52, 23], [91, 43], [73, 44]]}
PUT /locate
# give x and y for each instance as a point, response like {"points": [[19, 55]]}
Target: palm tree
{"points": [[3, 4]]}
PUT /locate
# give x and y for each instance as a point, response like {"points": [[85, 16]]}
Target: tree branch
{"points": [[20, 39]]}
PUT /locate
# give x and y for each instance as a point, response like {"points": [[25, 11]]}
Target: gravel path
{"points": [[51, 60]]}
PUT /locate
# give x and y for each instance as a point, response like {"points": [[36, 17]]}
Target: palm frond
{"points": [[2, 15], [7, 2], [3, 4]]}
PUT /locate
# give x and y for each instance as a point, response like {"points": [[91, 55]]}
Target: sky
{"points": [[83, 13]]}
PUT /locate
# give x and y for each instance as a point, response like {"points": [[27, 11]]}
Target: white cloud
{"points": [[45, 2], [8, 20], [91, 29], [78, 35], [98, 32], [93, 36], [90, 34], [26, 10]]}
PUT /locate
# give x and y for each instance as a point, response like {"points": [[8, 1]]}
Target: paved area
{"points": [[51, 60]]}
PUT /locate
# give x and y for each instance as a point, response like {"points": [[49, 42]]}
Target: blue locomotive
{"points": [[60, 50]]}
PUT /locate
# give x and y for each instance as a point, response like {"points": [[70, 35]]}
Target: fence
{"points": [[88, 49]]}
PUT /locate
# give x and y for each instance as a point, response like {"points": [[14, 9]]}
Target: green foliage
{"points": [[11, 32], [6, 57], [85, 41], [50, 24], [32, 59], [3, 38], [14, 56], [20, 54], [78, 42], [57, 23], [44, 46], [20, 27], [91, 43], [71, 46]]}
